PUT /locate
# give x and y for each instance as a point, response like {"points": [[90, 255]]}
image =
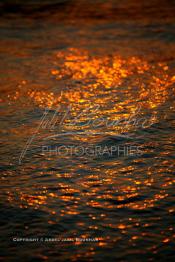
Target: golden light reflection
{"points": [[89, 76], [120, 86]]}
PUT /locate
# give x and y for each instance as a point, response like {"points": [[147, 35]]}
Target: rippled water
{"points": [[105, 79]]}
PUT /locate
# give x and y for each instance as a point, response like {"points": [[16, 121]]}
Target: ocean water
{"points": [[87, 130]]}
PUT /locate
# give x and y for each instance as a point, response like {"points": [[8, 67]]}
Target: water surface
{"points": [[113, 63]]}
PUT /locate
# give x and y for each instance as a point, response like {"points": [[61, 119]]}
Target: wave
{"points": [[98, 9]]}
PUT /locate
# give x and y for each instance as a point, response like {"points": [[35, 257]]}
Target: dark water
{"points": [[110, 66]]}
